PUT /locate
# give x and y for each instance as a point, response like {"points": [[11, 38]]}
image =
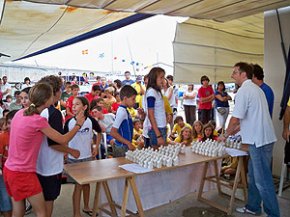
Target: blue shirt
{"points": [[219, 103], [124, 124], [269, 96], [127, 82]]}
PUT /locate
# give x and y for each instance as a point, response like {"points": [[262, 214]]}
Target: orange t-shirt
{"points": [[4, 142]]}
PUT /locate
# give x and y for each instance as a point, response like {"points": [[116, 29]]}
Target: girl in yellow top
{"points": [[197, 129], [179, 124], [185, 137]]}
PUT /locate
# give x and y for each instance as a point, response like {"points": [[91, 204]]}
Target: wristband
{"points": [[80, 126], [159, 136]]}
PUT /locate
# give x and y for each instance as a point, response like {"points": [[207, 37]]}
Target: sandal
{"points": [[89, 212]]}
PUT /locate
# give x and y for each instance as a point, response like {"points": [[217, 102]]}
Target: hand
{"points": [[169, 118], [286, 134], [95, 152], [160, 141], [75, 153], [80, 118], [221, 138], [140, 111], [245, 147], [131, 147]]}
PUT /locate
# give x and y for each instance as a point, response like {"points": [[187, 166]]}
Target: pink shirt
{"points": [[25, 141]]}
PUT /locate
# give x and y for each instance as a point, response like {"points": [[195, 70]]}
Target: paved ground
{"points": [[63, 205]]}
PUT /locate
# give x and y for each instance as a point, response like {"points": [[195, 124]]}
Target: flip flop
{"points": [[89, 212]]}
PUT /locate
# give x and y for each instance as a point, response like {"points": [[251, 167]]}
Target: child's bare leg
{"points": [[77, 200], [49, 207], [18, 208], [38, 204], [86, 196]]}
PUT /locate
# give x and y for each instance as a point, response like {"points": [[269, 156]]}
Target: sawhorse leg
{"points": [[130, 181]]}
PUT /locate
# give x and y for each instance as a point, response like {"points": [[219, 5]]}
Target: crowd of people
{"points": [[50, 122]]}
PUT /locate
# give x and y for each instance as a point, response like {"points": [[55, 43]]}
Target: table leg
{"points": [[109, 198], [136, 196], [217, 176], [125, 198], [96, 199], [203, 177], [236, 182], [244, 179]]}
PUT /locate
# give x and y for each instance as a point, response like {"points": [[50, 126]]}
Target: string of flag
{"points": [[138, 65]]}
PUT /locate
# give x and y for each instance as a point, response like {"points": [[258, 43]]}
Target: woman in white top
{"points": [[189, 104]]}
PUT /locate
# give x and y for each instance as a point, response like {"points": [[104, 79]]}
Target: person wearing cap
{"points": [[140, 88], [128, 80], [206, 96]]}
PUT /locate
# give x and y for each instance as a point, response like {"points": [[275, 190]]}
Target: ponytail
{"points": [[39, 94], [31, 110]]}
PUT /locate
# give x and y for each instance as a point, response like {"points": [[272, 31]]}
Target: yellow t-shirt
{"points": [[177, 129], [178, 140], [132, 112], [288, 104], [138, 89], [136, 135]]}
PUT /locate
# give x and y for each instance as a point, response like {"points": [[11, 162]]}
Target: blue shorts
{"points": [[153, 138], [5, 201]]}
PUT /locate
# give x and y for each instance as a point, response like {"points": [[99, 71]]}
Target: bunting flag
{"points": [[101, 55], [84, 52]]}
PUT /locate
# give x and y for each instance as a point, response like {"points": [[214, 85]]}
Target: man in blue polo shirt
{"points": [[258, 79]]}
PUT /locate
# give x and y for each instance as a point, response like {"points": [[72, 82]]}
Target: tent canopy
{"points": [[211, 48], [30, 26]]}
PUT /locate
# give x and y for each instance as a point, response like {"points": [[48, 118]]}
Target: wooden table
{"points": [[101, 171]]}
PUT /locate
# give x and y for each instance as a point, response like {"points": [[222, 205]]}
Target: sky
{"points": [[135, 48]]}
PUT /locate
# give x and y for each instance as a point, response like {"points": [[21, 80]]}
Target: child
{"points": [[24, 97], [26, 134], [208, 130], [138, 141], [106, 122], [65, 95], [16, 105], [179, 124], [69, 103], [154, 126], [185, 137], [5, 201], [7, 102], [213, 123], [83, 142], [197, 130], [99, 102], [50, 174], [110, 99], [116, 104], [122, 129]]}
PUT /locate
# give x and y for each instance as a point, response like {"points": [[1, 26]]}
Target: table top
{"points": [[106, 169]]}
